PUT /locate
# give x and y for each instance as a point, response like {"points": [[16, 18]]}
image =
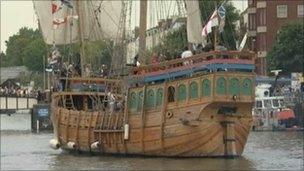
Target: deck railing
{"points": [[198, 58]]}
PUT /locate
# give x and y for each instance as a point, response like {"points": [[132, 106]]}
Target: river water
{"points": [[264, 151]]}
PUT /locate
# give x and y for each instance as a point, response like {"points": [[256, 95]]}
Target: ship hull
{"points": [[203, 133]]}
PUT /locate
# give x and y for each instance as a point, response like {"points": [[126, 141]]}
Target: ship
{"points": [[198, 106]]}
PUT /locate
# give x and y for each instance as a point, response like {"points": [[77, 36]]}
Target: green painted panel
{"points": [[221, 86], [150, 98], [206, 87], [133, 101], [193, 90], [247, 86], [234, 86], [159, 97], [182, 93], [140, 100]]}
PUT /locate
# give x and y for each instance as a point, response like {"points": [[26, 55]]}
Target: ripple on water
{"points": [[263, 151]]}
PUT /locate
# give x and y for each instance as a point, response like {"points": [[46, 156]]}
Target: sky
{"points": [[18, 14]]}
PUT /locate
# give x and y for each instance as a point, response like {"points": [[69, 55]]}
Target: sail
{"points": [[194, 23], [59, 21]]}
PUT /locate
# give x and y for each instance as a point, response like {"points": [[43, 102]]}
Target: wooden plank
{"points": [[143, 119], [110, 131]]}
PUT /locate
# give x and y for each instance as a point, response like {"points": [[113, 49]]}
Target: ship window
{"points": [[159, 97], [182, 94], [193, 89], [150, 99], [206, 88], [221, 86], [258, 104], [171, 94], [140, 100], [234, 86], [275, 103], [282, 104], [226, 110], [247, 87], [267, 103], [133, 101]]}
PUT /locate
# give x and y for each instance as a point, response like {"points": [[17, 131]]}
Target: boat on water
{"points": [[199, 106]]}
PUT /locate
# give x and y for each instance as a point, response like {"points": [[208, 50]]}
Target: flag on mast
{"points": [[222, 15], [217, 19], [213, 21]]}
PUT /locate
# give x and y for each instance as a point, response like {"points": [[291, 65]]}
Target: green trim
{"points": [[193, 90], [221, 86], [140, 100], [159, 97], [182, 93], [150, 98], [133, 102], [247, 86], [206, 87], [234, 86]]}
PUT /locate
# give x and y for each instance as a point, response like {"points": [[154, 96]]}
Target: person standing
{"points": [[186, 54]]}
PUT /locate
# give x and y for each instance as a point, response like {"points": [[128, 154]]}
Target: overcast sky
{"points": [[17, 14]]}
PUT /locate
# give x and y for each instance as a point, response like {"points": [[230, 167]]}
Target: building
{"points": [[265, 18]]}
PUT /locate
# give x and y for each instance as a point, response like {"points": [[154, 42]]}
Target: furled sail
{"points": [[59, 20], [194, 23]]}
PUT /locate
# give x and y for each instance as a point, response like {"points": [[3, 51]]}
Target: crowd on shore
{"points": [[18, 92]]}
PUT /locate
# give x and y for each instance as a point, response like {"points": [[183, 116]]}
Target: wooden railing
{"points": [[194, 59]]}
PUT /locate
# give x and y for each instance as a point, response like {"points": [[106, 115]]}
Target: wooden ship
{"points": [[172, 109]]}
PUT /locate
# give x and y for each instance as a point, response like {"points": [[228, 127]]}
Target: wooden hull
{"points": [[203, 134]]}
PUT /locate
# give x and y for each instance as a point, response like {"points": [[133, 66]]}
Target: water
{"points": [[264, 151]]}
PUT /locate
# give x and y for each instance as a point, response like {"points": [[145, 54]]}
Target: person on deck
{"points": [[186, 54], [135, 61], [154, 59]]}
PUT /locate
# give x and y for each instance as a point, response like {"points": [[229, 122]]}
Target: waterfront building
{"points": [[265, 18]]}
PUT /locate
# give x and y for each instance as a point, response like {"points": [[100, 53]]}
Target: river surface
{"points": [[264, 151]]}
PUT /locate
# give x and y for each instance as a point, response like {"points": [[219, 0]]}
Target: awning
{"points": [[285, 114]]}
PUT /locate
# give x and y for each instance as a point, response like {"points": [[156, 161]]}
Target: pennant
{"points": [[59, 21], [67, 3], [222, 14], [213, 21]]}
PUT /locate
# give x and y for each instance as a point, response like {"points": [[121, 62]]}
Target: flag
{"points": [[68, 3], [59, 21], [222, 15], [213, 21], [55, 7]]}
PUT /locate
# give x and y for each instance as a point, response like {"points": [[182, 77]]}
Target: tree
{"points": [[33, 54], [287, 52], [17, 43]]}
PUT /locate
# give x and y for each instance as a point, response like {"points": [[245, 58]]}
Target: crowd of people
{"points": [[18, 92]]}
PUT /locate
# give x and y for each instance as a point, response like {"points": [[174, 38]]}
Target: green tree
{"points": [[34, 53], [17, 43], [287, 52]]}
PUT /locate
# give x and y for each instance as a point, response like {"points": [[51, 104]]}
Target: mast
{"points": [[142, 31], [80, 31]]}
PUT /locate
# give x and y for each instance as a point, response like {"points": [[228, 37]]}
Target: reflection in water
{"points": [[264, 150]]}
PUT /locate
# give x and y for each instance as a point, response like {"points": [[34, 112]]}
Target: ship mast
{"points": [[142, 31], [80, 32]]}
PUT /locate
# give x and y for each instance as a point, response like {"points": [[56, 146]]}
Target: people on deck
{"points": [[186, 54], [136, 63], [103, 71], [87, 70], [154, 59]]}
